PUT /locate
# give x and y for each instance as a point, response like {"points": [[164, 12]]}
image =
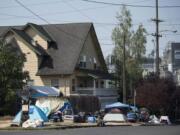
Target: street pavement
{"points": [[120, 130]]}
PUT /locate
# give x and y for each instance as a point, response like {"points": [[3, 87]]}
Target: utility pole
{"points": [[156, 20], [157, 39], [124, 69], [134, 98]]}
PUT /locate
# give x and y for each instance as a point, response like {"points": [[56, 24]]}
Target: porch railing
{"points": [[97, 91]]}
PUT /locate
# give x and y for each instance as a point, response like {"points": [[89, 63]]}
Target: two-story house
{"points": [[65, 56]]}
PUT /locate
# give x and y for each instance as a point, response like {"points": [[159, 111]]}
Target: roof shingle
{"points": [[69, 39]]}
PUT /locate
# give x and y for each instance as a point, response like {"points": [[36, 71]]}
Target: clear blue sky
{"points": [[68, 11]]}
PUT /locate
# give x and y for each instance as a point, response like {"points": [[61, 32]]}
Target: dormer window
{"points": [[52, 44], [34, 42], [82, 61]]}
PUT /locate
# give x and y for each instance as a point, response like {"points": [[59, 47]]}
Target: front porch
{"points": [[97, 84], [97, 91]]}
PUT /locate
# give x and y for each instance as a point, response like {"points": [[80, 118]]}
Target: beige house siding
{"points": [[31, 64], [90, 52], [33, 34], [64, 83]]}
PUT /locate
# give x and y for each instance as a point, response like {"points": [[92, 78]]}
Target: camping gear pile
{"points": [[132, 117], [47, 103], [119, 112]]}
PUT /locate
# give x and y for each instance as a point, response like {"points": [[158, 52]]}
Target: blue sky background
{"points": [[103, 17]]}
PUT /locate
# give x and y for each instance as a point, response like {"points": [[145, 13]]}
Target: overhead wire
{"points": [[97, 23], [128, 5], [82, 13], [46, 21], [32, 4]]}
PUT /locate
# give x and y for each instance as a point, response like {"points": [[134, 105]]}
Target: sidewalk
{"points": [[5, 125]]}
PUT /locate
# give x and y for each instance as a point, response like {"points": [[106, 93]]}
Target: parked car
{"points": [[132, 117]]}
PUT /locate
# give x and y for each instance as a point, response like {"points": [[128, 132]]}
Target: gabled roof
{"points": [[69, 39], [40, 31], [21, 34]]}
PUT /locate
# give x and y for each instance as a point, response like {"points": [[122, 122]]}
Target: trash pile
{"points": [[119, 113]]}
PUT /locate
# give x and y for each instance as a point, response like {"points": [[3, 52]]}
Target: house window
{"points": [[95, 63], [90, 59], [55, 83], [102, 84], [73, 84], [82, 62], [30, 82], [97, 84], [85, 83]]}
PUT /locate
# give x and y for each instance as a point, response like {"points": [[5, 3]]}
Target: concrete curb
{"points": [[58, 127], [48, 128]]}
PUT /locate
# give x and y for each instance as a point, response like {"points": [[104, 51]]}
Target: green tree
{"points": [[134, 48], [11, 76]]}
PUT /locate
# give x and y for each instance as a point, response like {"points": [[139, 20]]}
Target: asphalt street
{"points": [[136, 130]]}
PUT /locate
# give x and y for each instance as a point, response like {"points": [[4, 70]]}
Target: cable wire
{"points": [[128, 5], [43, 19]]}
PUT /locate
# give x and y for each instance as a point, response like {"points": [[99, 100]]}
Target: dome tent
{"points": [[35, 113]]}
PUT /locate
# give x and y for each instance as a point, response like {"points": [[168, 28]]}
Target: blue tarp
{"points": [[43, 91], [35, 113], [134, 108], [117, 105], [66, 106]]}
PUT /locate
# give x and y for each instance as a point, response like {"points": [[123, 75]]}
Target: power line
{"points": [[52, 13], [69, 11], [128, 5], [96, 23], [28, 9], [13, 15], [76, 9], [32, 4], [50, 2]]}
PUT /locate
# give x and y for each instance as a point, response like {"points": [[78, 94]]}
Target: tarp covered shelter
{"points": [[43, 91], [117, 105], [66, 106], [124, 108], [36, 92], [35, 113], [50, 104]]}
